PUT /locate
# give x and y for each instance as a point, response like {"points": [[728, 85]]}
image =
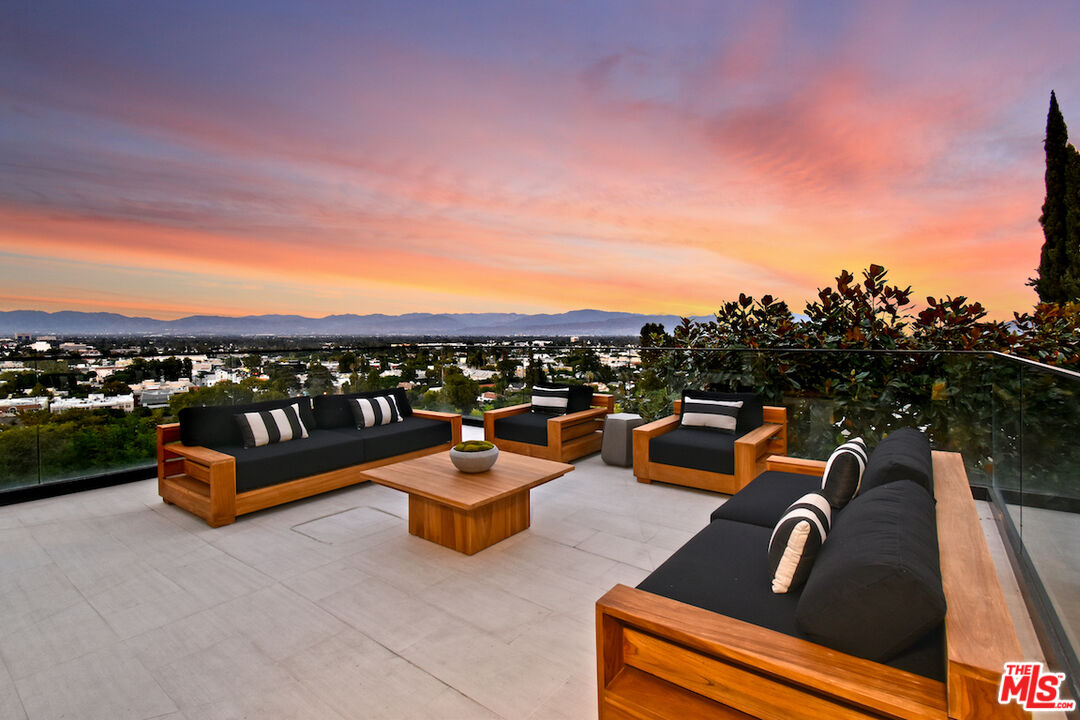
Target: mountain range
{"points": [[576, 322]]}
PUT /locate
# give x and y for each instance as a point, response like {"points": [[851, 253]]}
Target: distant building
{"points": [[78, 349], [95, 401], [12, 406]]}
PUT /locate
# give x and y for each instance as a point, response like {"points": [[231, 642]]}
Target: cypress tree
{"points": [[1054, 259], [1070, 283]]}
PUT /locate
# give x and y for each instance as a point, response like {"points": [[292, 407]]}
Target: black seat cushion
{"points": [[725, 569], [751, 414], [699, 448], [875, 589], [524, 427], [766, 498], [904, 454], [215, 425], [411, 434], [322, 451], [333, 411]]}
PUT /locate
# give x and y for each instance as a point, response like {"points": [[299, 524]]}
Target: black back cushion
{"points": [[904, 454], [580, 396], [751, 414], [215, 425], [875, 588], [333, 411]]}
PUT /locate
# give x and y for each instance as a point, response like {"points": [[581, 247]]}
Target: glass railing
{"points": [[1016, 423]]}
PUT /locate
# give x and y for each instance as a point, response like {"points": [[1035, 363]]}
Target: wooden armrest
{"points": [[199, 454], [657, 427], [436, 415], [980, 636], [812, 670], [574, 418], [603, 400], [800, 466], [759, 436], [506, 411]]}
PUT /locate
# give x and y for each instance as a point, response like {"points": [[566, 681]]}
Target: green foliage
{"points": [[347, 362], [474, 446], [476, 358], [459, 391], [850, 387], [227, 393], [154, 369], [283, 378], [320, 380], [112, 387], [76, 443]]}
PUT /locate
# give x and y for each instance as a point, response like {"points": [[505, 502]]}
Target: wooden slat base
{"points": [[468, 531]]}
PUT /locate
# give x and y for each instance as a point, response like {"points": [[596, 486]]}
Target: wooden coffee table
{"points": [[467, 511]]}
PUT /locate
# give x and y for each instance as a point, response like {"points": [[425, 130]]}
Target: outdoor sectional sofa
{"points": [[705, 636], [204, 467]]}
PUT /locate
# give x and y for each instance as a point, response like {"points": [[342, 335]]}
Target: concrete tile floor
{"points": [[117, 606]]}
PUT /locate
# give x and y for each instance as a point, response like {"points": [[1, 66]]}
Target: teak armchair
{"points": [[568, 437], [751, 451]]}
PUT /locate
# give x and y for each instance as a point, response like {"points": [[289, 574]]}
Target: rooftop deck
{"points": [[117, 606]]}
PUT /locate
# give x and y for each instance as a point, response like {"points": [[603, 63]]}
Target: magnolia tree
{"points": [[862, 360]]}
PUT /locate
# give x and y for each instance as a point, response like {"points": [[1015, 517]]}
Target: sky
{"points": [[314, 158]]}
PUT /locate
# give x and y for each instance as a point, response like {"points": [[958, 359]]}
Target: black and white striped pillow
{"points": [[843, 473], [718, 414], [550, 401], [378, 410], [796, 540], [271, 426]]}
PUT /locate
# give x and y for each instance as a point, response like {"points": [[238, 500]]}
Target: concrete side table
{"points": [[618, 447]]}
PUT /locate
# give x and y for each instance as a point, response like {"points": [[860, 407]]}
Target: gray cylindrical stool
{"points": [[618, 447]]}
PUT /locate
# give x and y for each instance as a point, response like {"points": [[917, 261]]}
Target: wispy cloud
{"points": [[530, 157]]}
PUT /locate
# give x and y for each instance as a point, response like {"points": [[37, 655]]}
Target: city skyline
{"points": [[526, 157]]}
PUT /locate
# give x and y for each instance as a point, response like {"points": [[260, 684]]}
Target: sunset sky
{"points": [[176, 158]]}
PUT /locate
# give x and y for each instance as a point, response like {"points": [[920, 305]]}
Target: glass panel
{"points": [[1050, 491], [1015, 424]]}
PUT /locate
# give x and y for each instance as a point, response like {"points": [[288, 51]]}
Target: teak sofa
{"points": [[203, 467], [659, 657], [562, 438], [751, 448]]}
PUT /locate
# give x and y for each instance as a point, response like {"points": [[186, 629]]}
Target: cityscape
{"points": [[133, 384]]}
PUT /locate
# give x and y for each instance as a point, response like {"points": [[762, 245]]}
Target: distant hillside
{"points": [[576, 322]]}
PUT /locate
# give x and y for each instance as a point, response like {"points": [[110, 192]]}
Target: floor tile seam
{"points": [[191, 535], [272, 578], [613, 559], [82, 595], [315, 605], [284, 663], [39, 620], [14, 686], [116, 645]]}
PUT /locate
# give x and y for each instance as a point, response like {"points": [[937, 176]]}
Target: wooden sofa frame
{"points": [[660, 658], [203, 481], [751, 452], [569, 436]]}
